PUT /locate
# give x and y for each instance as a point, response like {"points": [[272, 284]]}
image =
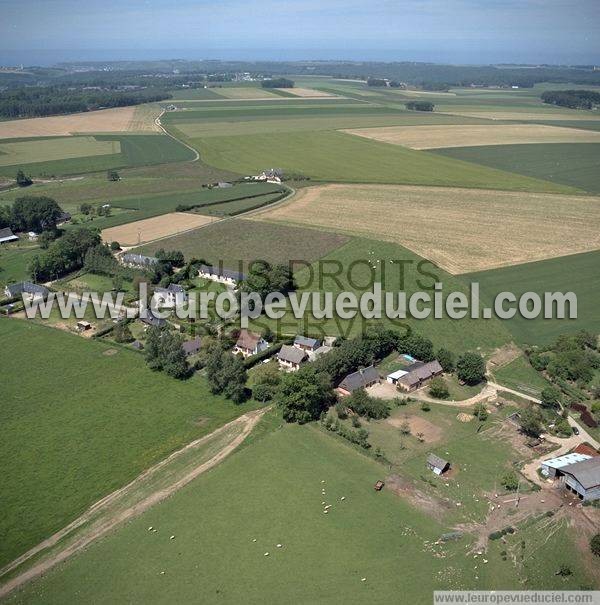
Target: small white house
{"points": [[27, 290], [218, 274], [171, 297], [250, 343], [33, 236]]}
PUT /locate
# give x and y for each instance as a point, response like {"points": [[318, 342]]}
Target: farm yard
{"points": [[436, 137], [460, 230], [278, 476], [158, 227]]}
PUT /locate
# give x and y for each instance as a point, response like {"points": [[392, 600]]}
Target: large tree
{"points": [[35, 213], [470, 368], [304, 395], [226, 373]]}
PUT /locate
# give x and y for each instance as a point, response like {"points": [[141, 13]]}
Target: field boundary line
{"points": [[165, 131], [248, 420]]}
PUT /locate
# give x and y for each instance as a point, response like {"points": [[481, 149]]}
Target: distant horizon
{"points": [[55, 57]]}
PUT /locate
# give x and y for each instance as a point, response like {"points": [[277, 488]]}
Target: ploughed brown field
{"points": [[474, 135], [461, 230], [157, 227]]}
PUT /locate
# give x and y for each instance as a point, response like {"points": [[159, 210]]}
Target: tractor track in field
{"points": [[91, 528]]}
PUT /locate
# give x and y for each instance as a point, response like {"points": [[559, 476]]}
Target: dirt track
{"points": [[92, 531]]}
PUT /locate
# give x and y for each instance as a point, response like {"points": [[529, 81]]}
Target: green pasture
{"points": [[355, 267], [131, 209], [578, 273], [134, 182], [14, 259], [571, 164], [336, 156], [79, 420], [269, 493]]}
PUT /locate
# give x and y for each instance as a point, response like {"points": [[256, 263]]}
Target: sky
{"points": [[450, 31]]}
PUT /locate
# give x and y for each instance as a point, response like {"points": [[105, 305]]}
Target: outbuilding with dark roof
{"points": [[363, 378]]}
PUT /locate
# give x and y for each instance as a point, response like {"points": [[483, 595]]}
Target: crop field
{"points": [[542, 112], [432, 137], [306, 92], [579, 273], [203, 128], [220, 541], [242, 93], [335, 156], [193, 93], [127, 151], [356, 267], [240, 240], [81, 419], [120, 119], [149, 229], [573, 164], [461, 230], [288, 108], [60, 148]]}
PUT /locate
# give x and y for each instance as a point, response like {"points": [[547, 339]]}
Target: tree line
{"points": [[39, 101], [574, 99]]}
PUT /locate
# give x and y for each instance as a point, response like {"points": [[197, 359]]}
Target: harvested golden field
{"points": [[154, 228], [243, 93], [119, 119], [475, 135], [461, 230], [525, 115], [306, 92]]}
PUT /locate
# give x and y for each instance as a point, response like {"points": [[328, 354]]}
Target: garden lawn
{"points": [[520, 375]]}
